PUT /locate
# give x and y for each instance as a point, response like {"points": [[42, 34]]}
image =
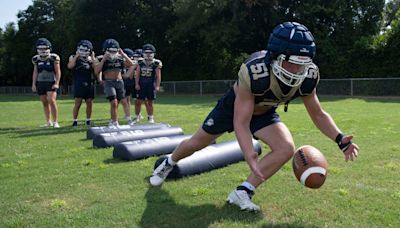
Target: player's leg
{"points": [[89, 104], [51, 98], [269, 129], [186, 148], [46, 109], [89, 109], [75, 111], [215, 124]]}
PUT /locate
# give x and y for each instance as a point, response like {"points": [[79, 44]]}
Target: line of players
{"points": [[122, 72]]}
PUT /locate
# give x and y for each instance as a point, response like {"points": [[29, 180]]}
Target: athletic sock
{"points": [[248, 187], [170, 161]]}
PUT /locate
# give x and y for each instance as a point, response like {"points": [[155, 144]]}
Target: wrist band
{"points": [[342, 146]]}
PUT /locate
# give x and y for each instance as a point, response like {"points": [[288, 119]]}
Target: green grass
{"points": [[53, 177]]}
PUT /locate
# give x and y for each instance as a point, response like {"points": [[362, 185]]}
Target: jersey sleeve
{"points": [[243, 77], [311, 81]]}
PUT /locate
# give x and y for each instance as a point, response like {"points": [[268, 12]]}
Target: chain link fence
{"points": [[358, 87]]}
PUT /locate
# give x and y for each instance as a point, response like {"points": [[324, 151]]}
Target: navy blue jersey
{"points": [[256, 75], [148, 70], [82, 71], [45, 68]]}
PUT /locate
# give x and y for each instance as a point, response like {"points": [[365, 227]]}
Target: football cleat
{"points": [[160, 173], [242, 199]]}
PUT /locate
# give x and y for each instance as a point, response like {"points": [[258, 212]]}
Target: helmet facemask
{"points": [[83, 51], [43, 51], [113, 53], [287, 76], [148, 55]]}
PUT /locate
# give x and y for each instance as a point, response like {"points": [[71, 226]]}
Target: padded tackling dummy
{"points": [[93, 131], [211, 157], [113, 138], [144, 148]]}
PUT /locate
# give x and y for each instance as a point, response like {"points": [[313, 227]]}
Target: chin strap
{"points": [[342, 146]]}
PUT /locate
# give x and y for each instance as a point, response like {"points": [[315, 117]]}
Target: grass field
{"points": [[54, 178]]}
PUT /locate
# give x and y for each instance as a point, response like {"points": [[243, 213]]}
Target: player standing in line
{"points": [[266, 79], [46, 79], [82, 64], [128, 85], [147, 81], [109, 68], [137, 56]]}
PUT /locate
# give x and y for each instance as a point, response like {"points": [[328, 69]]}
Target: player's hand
{"points": [[137, 87], [54, 86], [352, 151], [34, 88], [76, 54], [157, 88], [252, 161]]}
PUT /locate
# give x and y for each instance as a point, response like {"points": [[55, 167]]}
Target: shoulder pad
{"points": [[35, 59], [54, 57], [158, 63], [311, 81], [258, 70]]}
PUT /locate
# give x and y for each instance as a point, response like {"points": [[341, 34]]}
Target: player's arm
{"points": [[158, 78], [57, 72], [244, 107], [34, 77], [72, 61], [98, 65], [137, 75], [127, 61], [325, 123]]}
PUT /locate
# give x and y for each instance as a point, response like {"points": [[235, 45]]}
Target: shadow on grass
{"points": [[41, 131], [163, 211], [114, 161]]}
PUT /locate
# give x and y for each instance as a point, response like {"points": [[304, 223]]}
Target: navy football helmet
{"points": [[294, 43], [110, 47], [148, 51], [137, 53], [43, 48], [129, 52], [84, 48]]}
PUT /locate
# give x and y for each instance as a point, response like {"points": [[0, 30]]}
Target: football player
{"points": [[277, 75], [46, 79], [109, 68], [147, 81], [82, 64], [137, 56], [128, 85]]}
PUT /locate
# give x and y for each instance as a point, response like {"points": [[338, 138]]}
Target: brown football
{"points": [[310, 166]]}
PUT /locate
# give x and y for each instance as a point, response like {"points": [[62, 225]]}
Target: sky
{"points": [[9, 10]]}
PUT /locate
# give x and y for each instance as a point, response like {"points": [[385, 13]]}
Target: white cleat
{"points": [[48, 124], [242, 199], [56, 125], [160, 173], [150, 119]]}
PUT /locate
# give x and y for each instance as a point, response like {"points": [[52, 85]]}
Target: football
{"points": [[310, 166]]}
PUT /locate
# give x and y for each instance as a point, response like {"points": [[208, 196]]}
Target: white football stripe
{"points": [[309, 171]]}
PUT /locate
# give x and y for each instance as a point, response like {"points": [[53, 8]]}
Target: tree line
{"points": [[206, 39]]}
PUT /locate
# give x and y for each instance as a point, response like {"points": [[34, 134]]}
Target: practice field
{"points": [[53, 177]]}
